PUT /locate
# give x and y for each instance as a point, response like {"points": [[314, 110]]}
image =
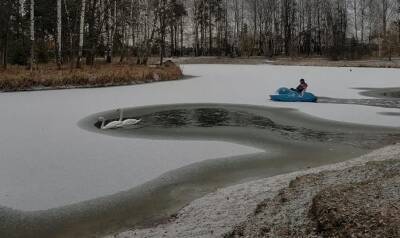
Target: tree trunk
{"points": [[226, 29], [59, 28], [81, 34], [70, 36], [362, 19], [355, 19], [384, 26], [210, 41], [254, 41], [176, 28], [384, 17], [2, 58], [398, 31], [4, 52], [111, 30], [93, 33], [196, 31], [125, 42], [181, 53], [171, 38], [131, 30], [32, 28], [114, 26], [162, 19]]}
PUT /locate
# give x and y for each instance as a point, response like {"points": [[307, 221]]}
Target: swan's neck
{"points": [[103, 121], [121, 114]]}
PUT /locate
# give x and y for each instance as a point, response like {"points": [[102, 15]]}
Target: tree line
{"points": [[77, 32]]}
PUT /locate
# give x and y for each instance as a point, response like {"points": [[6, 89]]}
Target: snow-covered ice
{"points": [[47, 161], [253, 84]]}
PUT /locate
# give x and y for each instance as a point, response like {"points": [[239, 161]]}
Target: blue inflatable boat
{"points": [[287, 95]]}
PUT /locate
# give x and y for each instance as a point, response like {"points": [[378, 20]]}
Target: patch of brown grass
{"points": [[366, 209], [17, 78]]}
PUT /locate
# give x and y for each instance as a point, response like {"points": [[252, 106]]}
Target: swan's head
{"points": [[101, 119]]}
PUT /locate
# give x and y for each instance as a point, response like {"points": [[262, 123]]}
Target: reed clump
{"points": [[17, 78]]}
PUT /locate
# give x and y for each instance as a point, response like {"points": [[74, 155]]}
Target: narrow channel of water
{"points": [[381, 97]]}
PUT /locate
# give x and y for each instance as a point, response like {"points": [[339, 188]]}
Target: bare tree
{"points": [[144, 28]]}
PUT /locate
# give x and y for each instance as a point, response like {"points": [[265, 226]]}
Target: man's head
{"points": [[302, 81]]}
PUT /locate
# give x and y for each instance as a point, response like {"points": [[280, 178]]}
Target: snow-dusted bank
{"points": [[216, 214]]}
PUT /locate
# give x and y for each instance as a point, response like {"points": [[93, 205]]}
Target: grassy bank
{"points": [[17, 78], [356, 201]]}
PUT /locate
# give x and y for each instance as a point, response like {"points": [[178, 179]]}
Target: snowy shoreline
{"points": [[217, 213]]}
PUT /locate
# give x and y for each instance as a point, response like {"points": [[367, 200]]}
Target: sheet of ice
{"points": [[47, 161], [252, 84]]}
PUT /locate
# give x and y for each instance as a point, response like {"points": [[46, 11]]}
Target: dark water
{"points": [[217, 121], [381, 92], [383, 97], [291, 141], [199, 117]]}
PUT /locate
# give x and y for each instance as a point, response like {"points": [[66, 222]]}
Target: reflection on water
{"points": [[200, 117], [291, 141], [234, 117], [168, 118], [209, 117]]}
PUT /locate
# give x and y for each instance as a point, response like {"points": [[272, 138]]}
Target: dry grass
{"points": [[17, 78]]}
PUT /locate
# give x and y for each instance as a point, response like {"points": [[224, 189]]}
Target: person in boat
{"points": [[301, 88]]}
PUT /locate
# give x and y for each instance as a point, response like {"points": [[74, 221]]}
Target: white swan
{"points": [[127, 122], [119, 123], [131, 122], [110, 125]]}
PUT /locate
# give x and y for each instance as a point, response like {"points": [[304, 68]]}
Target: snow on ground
{"points": [[48, 161]]}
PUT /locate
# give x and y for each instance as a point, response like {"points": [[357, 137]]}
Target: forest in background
{"points": [[77, 32]]}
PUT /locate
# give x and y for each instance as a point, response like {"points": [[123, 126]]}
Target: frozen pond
{"points": [[49, 161]]}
